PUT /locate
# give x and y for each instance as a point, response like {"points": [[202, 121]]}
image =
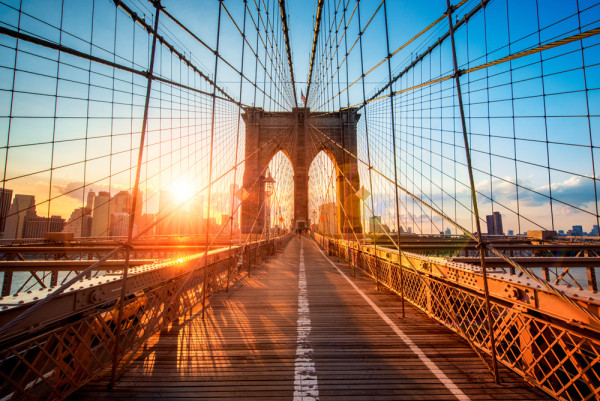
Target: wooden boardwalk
{"points": [[269, 338]]}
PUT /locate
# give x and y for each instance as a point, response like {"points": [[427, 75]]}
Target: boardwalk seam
{"points": [[305, 381], [441, 376]]}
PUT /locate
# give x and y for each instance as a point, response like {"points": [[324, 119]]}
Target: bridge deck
{"points": [[253, 345]]}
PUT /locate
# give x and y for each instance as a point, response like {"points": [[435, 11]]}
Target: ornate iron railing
{"points": [[53, 359], [552, 344]]}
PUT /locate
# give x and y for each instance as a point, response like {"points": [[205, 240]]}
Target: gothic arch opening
{"points": [[282, 199], [288, 131], [322, 194]]}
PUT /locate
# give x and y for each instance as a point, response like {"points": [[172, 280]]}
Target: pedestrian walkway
{"points": [[302, 328]]}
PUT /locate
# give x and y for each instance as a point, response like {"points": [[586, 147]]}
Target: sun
{"points": [[182, 190]]}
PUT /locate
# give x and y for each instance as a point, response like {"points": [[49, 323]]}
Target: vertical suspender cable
{"points": [[237, 141], [362, 72], [344, 137], [389, 63], [481, 244], [210, 165], [135, 195], [52, 151]]}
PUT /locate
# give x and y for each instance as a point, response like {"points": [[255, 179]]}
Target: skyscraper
{"points": [[101, 215], [90, 199], [119, 225], [375, 224], [23, 207], [80, 222], [494, 224], [5, 198]]}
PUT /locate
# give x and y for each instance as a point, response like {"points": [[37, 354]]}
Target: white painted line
{"points": [[449, 384], [305, 382]]}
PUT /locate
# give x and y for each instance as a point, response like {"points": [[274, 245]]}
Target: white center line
{"points": [[453, 388], [305, 382]]}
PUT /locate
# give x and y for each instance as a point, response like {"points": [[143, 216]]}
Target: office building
{"points": [[35, 227], [375, 225], [100, 215], [5, 199], [119, 225], [494, 224], [80, 222], [22, 208]]}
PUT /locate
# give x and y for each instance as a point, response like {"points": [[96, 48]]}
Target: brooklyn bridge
{"points": [[337, 199]]}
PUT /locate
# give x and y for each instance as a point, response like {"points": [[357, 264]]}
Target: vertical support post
{"points": [[399, 246], [135, 195], [591, 276], [546, 274], [212, 140], [7, 283], [54, 278], [480, 243]]}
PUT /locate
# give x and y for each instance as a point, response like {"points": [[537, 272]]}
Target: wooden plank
{"points": [[246, 346]]}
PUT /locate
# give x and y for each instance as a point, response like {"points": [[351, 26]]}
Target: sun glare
{"points": [[182, 190]]}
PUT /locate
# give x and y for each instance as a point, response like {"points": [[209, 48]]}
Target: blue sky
{"points": [[58, 144]]}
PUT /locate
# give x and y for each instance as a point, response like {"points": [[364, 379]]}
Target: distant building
{"points": [[90, 199], [233, 188], [494, 224], [101, 215], [173, 220], [80, 222], [145, 222], [375, 225], [119, 225], [576, 231], [594, 232], [35, 227], [22, 208], [511, 233], [120, 203], [195, 216], [5, 199], [448, 231]]}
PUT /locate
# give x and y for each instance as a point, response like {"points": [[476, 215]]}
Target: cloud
{"points": [[575, 191], [75, 189], [71, 189]]}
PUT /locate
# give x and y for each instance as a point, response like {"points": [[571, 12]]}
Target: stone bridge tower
{"points": [[301, 135]]}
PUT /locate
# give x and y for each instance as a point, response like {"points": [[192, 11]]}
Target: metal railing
{"points": [[50, 357], [552, 344]]}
